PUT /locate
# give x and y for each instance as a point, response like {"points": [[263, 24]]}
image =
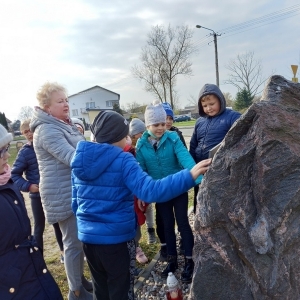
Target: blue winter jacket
{"points": [[210, 131], [104, 180], [26, 162], [170, 157]]}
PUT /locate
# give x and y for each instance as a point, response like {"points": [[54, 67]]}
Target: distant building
{"points": [[192, 111], [94, 99]]}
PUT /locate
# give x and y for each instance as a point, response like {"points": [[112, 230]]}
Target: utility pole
{"points": [[215, 35]]}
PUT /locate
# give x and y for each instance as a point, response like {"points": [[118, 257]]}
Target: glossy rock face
{"points": [[247, 222]]}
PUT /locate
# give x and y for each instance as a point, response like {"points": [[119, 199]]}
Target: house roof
{"points": [[96, 86]]}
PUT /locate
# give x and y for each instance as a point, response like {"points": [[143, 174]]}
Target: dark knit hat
{"points": [[168, 109], [109, 127]]}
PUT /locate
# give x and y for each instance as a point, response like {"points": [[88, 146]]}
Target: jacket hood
{"points": [[211, 89], [92, 159], [41, 117]]}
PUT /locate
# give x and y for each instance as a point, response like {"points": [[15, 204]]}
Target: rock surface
{"points": [[247, 224]]}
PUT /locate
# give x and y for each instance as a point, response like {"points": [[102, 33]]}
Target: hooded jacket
{"points": [[170, 157], [26, 163], [210, 131], [23, 272], [104, 180], [54, 143]]}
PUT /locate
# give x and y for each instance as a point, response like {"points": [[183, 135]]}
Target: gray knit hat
{"points": [[109, 127], [136, 126], [5, 137], [155, 114]]}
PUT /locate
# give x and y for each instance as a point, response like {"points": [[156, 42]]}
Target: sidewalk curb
{"points": [[147, 271]]}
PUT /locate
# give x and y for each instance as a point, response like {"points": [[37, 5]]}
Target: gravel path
{"points": [[150, 285]]}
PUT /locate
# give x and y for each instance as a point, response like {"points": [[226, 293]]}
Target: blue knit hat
{"points": [[168, 109]]}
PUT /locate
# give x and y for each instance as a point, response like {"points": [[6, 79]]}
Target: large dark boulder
{"points": [[247, 224]]}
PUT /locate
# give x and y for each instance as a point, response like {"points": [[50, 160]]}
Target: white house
{"points": [[95, 97]]}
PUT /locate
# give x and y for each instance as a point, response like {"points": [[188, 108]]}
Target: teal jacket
{"points": [[170, 157]]}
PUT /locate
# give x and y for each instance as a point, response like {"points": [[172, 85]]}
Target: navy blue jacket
{"points": [[26, 162], [210, 131], [23, 272], [104, 180]]}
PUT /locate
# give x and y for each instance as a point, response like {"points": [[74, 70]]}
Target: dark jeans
{"points": [[177, 208], [58, 236], [39, 220], [112, 268], [160, 230], [196, 190]]}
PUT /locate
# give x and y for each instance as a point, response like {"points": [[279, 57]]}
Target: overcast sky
{"points": [[85, 43]]}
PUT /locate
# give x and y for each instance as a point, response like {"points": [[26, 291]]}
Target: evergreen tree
{"points": [[3, 120], [243, 100], [117, 109]]}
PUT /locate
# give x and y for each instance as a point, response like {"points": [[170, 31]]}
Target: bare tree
{"points": [[228, 98], [165, 56], [246, 72], [26, 112]]}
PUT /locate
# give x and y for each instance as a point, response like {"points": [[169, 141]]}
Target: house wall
{"points": [[94, 98]]}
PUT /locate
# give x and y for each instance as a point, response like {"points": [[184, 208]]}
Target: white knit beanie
{"points": [[78, 122], [5, 137], [155, 114], [136, 126]]}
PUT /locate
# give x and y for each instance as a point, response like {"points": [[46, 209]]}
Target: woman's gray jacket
{"points": [[54, 143]]}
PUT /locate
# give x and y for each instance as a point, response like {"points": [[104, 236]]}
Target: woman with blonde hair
{"points": [[55, 139]]}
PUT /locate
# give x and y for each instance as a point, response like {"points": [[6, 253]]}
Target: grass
{"points": [[186, 123], [19, 138], [13, 154]]}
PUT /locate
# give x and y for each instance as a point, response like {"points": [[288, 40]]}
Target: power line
{"points": [[267, 19]]}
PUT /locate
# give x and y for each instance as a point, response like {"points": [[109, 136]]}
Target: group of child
{"points": [[113, 192]]}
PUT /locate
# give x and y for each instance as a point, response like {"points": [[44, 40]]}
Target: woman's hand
{"points": [[200, 168], [34, 188], [141, 204]]}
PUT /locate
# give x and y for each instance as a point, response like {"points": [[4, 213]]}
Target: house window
{"points": [[90, 105], [111, 103], [74, 112]]}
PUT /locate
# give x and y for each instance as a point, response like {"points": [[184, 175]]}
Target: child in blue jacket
{"points": [[104, 180], [26, 163], [160, 153], [214, 122]]}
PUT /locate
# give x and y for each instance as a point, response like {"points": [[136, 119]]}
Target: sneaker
{"points": [[163, 253], [138, 272], [151, 236], [140, 256], [62, 259], [84, 295]]}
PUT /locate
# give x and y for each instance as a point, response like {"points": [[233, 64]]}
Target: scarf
{"points": [[6, 175]]}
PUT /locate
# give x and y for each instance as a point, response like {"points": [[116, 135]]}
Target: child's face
{"points": [[28, 134], [137, 136], [158, 129], [169, 122], [211, 105]]}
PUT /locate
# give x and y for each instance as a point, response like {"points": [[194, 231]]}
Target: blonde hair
{"points": [[24, 125], [44, 93]]}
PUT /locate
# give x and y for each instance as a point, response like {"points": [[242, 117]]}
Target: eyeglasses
{"points": [[3, 151]]}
